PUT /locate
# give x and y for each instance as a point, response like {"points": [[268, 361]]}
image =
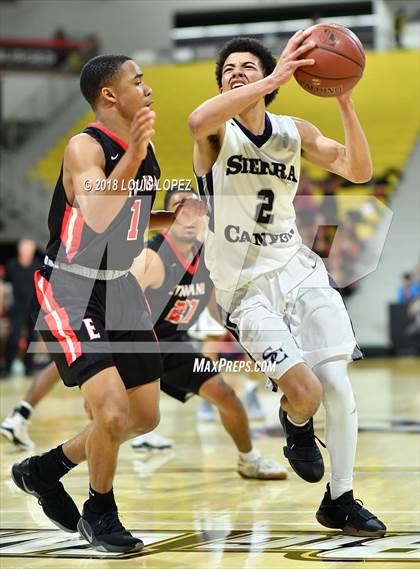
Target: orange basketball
{"points": [[339, 61]]}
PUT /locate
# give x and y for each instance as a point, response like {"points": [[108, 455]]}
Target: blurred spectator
{"points": [[20, 272], [91, 49], [60, 39], [399, 25], [409, 290]]}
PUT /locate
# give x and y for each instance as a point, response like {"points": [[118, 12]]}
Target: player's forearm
{"points": [[213, 113], [99, 212], [358, 161]]}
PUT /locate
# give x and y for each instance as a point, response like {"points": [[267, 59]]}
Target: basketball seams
{"points": [[329, 78], [335, 52], [357, 43]]}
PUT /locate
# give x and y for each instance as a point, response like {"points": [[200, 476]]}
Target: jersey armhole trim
{"points": [[111, 135]]}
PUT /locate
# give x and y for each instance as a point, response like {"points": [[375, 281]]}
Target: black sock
{"points": [[24, 409], [54, 464], [101, 503]]}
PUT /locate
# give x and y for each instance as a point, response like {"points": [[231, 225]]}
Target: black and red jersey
{"points": [[73, 241], [185, 292]]}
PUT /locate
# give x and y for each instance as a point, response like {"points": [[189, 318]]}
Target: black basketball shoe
{"points": [[301, 450], [348, 514], [106, 533], [57, 505]]}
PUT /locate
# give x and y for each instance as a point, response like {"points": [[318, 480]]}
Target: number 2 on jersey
{"points": [[263, 213], [134, 225]]}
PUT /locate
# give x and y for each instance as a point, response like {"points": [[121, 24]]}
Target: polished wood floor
{"points": [[194, 511]]}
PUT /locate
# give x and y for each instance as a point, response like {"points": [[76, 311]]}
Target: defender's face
{"points": [[130, 90], [240, 69], [185, 233]]}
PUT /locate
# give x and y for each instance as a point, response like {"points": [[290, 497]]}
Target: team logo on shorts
{"points": [[274, 356]]}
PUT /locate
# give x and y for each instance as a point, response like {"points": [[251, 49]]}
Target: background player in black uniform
{"points": [[91, 307], [20, 273], [177, 285]]}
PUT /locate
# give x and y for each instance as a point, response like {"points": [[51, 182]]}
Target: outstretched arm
{"points": [[186, 212], [207, 118], [351, 160], [207, 121]]}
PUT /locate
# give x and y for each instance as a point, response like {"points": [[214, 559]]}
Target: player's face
{"points": [[131, 91], [240, 69], [185, 233]]}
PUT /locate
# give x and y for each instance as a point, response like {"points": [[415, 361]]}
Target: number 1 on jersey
{"points": [[134, 225]]}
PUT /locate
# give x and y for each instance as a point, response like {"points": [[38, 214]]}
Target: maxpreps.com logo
{"points": [[310, 546]]}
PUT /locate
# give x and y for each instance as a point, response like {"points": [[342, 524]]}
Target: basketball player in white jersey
{"points": [[273, 291]]}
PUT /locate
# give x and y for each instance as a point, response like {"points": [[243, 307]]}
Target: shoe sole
{"points": [[102, 545], [22, 486], [150, 448], [9, 435], [280, 476], [348, 530]]}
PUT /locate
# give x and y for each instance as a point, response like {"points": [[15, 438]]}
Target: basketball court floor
{"points": [[193, 510]]}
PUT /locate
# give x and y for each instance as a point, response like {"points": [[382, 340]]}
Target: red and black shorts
{"points": [[90, 325]]}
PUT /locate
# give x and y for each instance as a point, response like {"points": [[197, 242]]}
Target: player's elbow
{"points": [[196, 124], [360, 175]]}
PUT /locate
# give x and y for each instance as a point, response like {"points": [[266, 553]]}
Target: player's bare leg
{"points": [[231, 410], [235, 421], [14, 426], [143, 417]]}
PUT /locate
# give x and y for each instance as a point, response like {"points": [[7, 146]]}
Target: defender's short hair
{"points": [[175, 189], [251, 45], [98, 72]]}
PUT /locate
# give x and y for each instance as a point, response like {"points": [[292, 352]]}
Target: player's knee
{"points": [[226, 397], [334, 380], [152, 421], [114, 421], [145, 422], [218, 392], [305, 396]]}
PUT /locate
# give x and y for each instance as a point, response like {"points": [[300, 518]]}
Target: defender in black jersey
{"points": [[92, 312], [177, 285]]}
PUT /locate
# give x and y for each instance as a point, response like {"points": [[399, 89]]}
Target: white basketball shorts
{"points": [[290, 316]]}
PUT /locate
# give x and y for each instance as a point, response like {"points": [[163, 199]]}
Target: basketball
{"points": [[339, 61]]}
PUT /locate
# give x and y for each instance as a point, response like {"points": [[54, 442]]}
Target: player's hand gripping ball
{"points": [[339, 61]]}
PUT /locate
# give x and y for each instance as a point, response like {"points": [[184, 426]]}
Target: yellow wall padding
{"points": [[386, 100]]}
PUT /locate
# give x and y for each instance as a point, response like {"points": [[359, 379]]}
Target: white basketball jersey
{"points": [[249, 192]]}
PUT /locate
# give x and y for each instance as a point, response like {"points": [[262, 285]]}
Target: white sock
{"points": [[340, 424], [253, 454], [297, 424]]}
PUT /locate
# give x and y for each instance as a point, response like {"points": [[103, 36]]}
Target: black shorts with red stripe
{"points": [[90, 325]]}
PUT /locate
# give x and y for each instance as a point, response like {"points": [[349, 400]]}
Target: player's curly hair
{"points": [[251, 45], [98, 72]]}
